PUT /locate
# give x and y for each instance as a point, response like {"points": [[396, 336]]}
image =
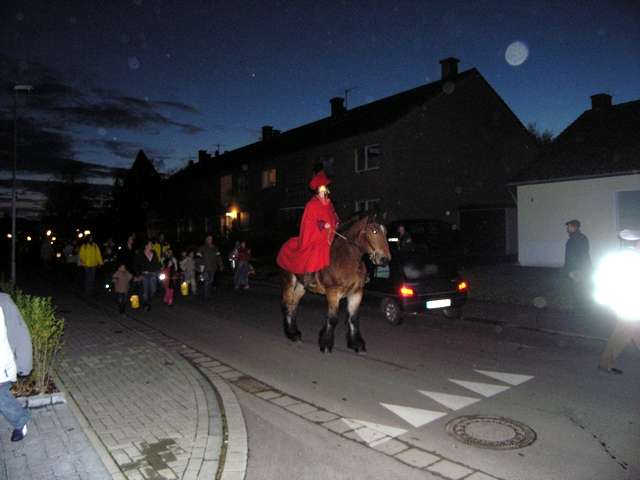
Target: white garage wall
{"points": [[543, 210]]}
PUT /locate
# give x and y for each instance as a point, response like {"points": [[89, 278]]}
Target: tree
{"points": [[543, 139]]}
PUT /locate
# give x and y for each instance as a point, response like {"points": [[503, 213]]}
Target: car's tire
{"points": [[391, 311], [452, 312]]}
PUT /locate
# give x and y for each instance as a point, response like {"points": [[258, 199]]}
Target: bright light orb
{"points": [[616, 284], [516, 53], [134, 63]]}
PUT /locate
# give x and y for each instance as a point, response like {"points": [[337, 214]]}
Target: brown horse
{"points": [[343, 278]]}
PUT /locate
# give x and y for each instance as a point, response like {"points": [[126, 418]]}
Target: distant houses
{"points": [[592, 173], [445, 150]]}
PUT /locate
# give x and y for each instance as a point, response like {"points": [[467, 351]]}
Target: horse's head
{"points": [[373, 239]]}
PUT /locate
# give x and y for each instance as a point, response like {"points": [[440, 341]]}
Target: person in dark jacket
{"points": [[212, 262], [147, 268], [577, 262], [127, 255]]}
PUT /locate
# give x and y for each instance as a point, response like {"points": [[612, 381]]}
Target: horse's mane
{"points": [[346, 227]]}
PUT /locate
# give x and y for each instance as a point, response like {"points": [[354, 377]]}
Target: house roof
{"points": [[365, 118], [600, 142]]}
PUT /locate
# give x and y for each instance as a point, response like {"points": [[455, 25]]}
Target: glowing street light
{"points": [[87, 232], [80, 235], [28, 238], [48, 233], [9, 235]]}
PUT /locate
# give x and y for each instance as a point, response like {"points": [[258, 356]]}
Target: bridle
{"points": [[372, 256]]}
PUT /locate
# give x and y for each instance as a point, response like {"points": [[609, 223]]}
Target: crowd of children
{"points": [[173, 274]]}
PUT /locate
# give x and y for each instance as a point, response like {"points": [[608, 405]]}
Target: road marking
{"points": [[510, 378], [368, 435], [414, 416], [454, 402], [485, 389], [378, 427]]}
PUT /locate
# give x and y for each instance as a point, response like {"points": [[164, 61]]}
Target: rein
{"points": [[348, 240]]}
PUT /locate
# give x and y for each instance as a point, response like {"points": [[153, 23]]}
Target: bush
{"points": [[46, 335]]}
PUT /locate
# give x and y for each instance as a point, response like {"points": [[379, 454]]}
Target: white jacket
{"points": [[7, 361]]}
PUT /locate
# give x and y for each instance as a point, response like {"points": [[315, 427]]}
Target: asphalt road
{"points": [[414, 379]]}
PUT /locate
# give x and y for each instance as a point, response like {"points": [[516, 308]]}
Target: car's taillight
{"points": [[406, 291], [462, 286]]}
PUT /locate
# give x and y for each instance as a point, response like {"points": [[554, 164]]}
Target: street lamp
{"points": [[16, 89]]}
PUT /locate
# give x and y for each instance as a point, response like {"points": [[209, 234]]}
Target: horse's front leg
{"points": [[292, 292], [354, 340], [326, 337]]}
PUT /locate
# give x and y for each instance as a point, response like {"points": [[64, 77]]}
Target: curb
{"points": [[44, 400]]}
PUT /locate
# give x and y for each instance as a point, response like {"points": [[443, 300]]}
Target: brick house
{"points": [[426, 152]]}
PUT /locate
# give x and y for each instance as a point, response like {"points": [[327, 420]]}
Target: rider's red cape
{"points": [[310, 251]]}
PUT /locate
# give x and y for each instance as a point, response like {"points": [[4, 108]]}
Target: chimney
{"points": [[600, 101], [267, 132], [203, 156], [337, 106], [449, 68]]}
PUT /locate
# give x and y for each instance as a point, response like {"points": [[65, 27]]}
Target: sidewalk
{"points": [[136, 408]]}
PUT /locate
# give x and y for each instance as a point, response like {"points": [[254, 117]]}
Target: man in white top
{"points": [[10, 408]]}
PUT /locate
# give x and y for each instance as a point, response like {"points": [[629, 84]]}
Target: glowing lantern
{"points": [[184, 289], [135, 301]]}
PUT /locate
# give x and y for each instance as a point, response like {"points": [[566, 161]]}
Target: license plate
{"points": [[445, 302]]}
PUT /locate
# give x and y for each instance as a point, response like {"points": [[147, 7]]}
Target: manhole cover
{"points": [[485, 431]]}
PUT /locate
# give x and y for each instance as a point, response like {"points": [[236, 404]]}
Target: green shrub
{"points": [[46, 334]]}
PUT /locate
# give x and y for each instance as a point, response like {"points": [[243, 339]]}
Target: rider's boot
{"points": [[309, 280]]}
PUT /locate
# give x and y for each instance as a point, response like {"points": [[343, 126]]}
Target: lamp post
{"points": [[16, 89]]}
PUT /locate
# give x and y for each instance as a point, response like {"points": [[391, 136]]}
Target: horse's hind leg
{"points": [[354, 340], [326, 337], [292, 292]]}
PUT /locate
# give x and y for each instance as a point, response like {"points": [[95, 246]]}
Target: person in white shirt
{"points": [[10, 408]]}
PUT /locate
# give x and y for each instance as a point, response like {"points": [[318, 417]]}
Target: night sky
{"points": [[174, 77]]}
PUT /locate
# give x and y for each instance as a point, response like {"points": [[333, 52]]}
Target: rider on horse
{"points": [[309, 252]]}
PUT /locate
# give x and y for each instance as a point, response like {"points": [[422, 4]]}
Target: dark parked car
{"points": [[423, 279]]}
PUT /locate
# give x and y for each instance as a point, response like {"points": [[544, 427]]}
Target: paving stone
{"points": [[320, 416], [284, 401], [338, 426], [268, 395], [449, 469], [301, 408], [417, 458], [480, 476], [390, 447]]}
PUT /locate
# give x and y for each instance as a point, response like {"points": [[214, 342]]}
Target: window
{"points": [[226, 189], [269, 177], [244, 220], [243, 183], [366, 205], [368, 157], [628, 209]]}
